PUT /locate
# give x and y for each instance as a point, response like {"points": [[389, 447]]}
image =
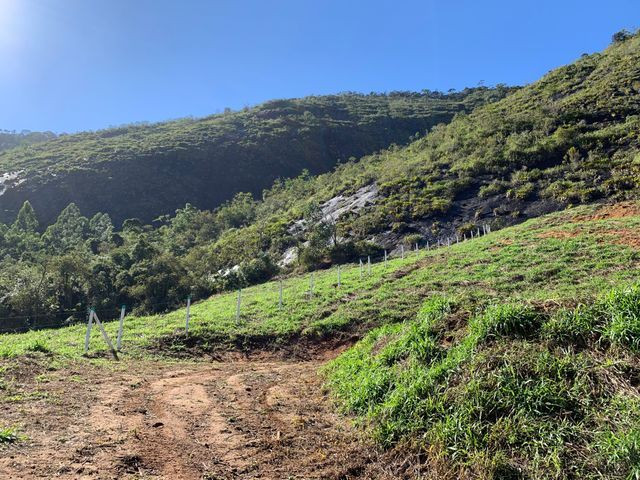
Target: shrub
{"points": [[496, 187], [412, 239]]}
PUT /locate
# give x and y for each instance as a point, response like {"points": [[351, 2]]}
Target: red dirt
{"points": [[559, 234], [626, 237], [618, 210], [234, 420]]}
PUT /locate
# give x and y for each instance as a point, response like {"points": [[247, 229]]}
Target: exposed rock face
{"points": [[340, 205], [288, 257]]}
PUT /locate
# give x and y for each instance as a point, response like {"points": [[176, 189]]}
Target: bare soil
{"points": [[617, 210], [267, 419]]}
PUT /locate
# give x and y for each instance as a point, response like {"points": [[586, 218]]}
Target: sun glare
{"points": [[9, 18]]}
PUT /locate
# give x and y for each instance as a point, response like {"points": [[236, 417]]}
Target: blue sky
{"points": [[70, 65]]}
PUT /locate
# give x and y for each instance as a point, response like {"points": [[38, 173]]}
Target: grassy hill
{"points": [[11, 139], [148, 170], [569, 138], [561, 259], [505, 356]]}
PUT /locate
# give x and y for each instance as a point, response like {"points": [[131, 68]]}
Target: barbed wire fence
{"points": [[284, 292]]}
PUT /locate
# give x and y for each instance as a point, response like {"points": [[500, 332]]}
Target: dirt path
{"points": [[237, 420]]}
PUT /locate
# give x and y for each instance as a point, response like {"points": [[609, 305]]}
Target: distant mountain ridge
{"points": [[144, 171], [12, 139]]}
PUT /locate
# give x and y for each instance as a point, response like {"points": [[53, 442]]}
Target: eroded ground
{"points": [[225, 420]]}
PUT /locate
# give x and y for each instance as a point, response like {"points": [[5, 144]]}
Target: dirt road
{"points": [[231, 420]]}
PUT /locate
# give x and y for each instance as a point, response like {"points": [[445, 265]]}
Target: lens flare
{"points": [[9, 20]]}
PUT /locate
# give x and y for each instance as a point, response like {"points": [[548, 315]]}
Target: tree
{"points": [[100, 227], [621, 36], [68, 232], [239, 212], [26, 221]]}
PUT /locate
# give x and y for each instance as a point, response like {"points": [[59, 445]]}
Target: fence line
{"points": [[447, 242]]}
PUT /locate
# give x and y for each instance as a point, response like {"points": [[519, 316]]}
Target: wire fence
{"points": [[278, 295]]}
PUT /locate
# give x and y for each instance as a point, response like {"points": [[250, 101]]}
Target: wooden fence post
{"points": [[238, 304]]}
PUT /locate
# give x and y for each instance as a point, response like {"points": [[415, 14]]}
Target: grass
{"points": [[498, 358], [506, 398], [563, 258], [8, 435]]}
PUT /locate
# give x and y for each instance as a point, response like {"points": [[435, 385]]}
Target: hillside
{"points": [[569, 138], [11, 139], [505, 356], [145, 171]]}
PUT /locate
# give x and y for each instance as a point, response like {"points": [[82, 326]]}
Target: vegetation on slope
{"points": [[147, 170], [12, 139], [570, 138], [509, 392], [562, 258], [499, 357]]}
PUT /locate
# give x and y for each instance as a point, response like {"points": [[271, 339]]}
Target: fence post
{"points": [[280, 297], [188, 316], [416, 246], [385, 258], [402, 250], [339, 279], [238, 304], [88, 335], [107, 340], [448, 241], [457, 238], [311, 285], [120, 328], [360, 268], [471, 234], [428, 246]]}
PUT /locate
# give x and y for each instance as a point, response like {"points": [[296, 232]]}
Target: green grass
{"points": [[511, 396], [499, 357], [526, 262], [8, 435]]}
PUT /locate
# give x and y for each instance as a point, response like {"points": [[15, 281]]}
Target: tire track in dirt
{"points": [[245, 420]]}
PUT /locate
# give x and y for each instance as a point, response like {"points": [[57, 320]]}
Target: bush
{"points": [[412, 239]]}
